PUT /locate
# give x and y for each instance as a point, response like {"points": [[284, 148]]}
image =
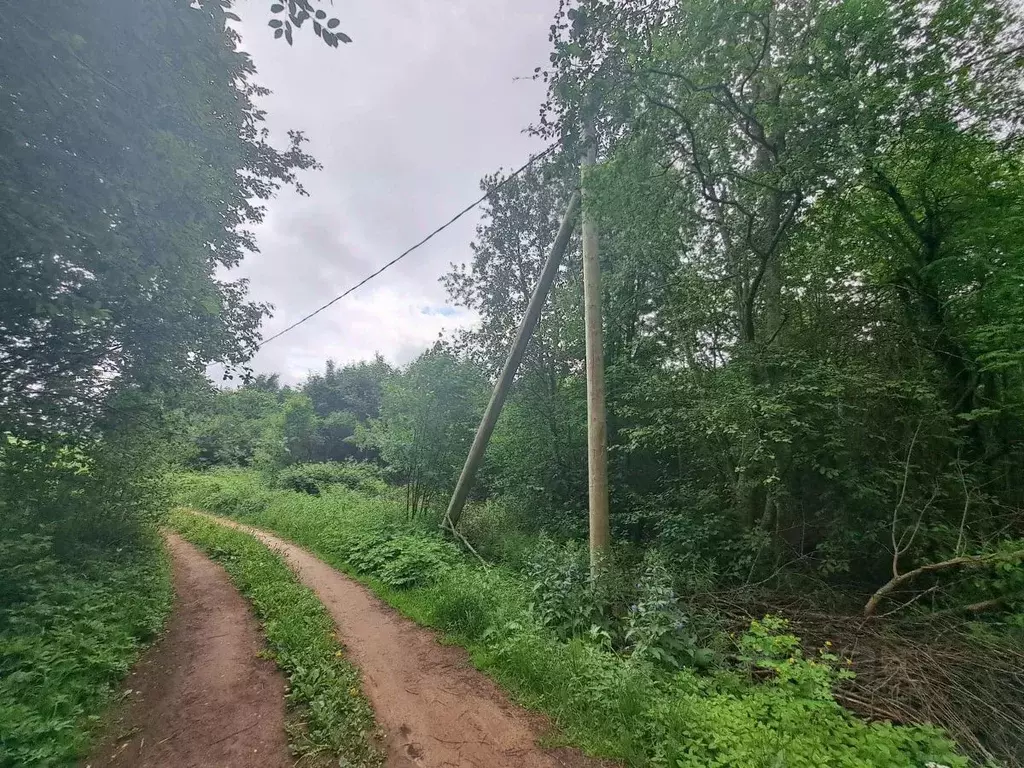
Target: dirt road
{"points": [[437, 710], [201, 697]]}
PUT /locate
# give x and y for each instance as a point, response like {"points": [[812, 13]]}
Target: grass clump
{"points": [[67, 637], [328, 713], [642, 688]]}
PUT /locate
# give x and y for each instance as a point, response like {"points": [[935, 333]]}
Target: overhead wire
{"points": [[424, 241]]}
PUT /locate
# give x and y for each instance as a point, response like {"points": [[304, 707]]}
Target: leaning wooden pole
{"points": [[597, 432], [515, 357]]}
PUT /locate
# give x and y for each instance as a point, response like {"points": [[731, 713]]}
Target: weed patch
{"points": [[67, 642]]}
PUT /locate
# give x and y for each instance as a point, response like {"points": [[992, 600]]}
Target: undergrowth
{"points": [[66, 639], [760, 703], [316, 477], [327, 711]]}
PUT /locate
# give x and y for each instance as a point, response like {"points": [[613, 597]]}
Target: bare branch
{"points": [[976, 561], [896, 510]]}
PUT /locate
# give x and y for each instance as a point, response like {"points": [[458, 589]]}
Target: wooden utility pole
{"points": [[597, 430], [515, 356]]}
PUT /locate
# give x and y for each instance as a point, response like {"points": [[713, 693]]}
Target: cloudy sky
{"points": [[430, 96]]}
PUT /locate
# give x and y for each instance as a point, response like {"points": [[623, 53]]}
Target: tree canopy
{"points": [[130, 174]]}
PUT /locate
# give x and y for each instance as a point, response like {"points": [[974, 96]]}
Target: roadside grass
{"points": [[775, 710], [328, 715], [64, 649]]}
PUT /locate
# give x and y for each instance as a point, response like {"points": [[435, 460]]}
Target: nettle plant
{"points": [[658, 627], [561, 593], [636, 612]]}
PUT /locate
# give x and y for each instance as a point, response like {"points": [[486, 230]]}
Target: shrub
{"points": [[563, 597], [634, 610], [89, 497], [400, 561], [315, 478], [657, 624]]}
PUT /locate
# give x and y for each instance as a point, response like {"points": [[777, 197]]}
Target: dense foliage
{"points": [[130, 172], [813, 291], [133, 157], [263, 424], [418, 422], [66, 640], [809, 218]]}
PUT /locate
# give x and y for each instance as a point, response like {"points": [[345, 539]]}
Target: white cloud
{"points": [[381, 320], [405, 121]]}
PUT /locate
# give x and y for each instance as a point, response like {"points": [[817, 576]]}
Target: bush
{"points": [[564, 599], [400, 561], [89, 497], [658, 627], [315, 478], [634, 610]]}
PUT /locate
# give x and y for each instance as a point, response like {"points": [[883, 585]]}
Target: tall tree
{"points": [[429, 413], [804, 287], [355, 388], [133, 157]]}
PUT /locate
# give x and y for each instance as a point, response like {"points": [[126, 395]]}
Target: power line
{"points": [[405, 253]]}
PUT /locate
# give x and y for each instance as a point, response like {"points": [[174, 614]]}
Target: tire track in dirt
{"points": [[201, 697], [436, 709]]}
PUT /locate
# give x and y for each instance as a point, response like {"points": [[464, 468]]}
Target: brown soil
{"points": [[435, 708], [201, 697]]}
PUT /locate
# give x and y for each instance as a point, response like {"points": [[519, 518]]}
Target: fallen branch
{"points": [[994, 604], [976, 561]]}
